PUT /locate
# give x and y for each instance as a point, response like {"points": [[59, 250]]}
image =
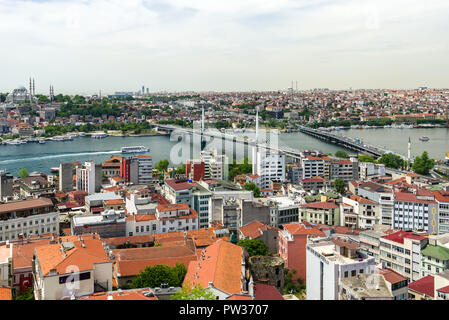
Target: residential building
{"points": [[89, 177], [214, 164], [364, 287], [396, 283], [415, 212], [383, 196], [195, 170], [328, 262], [442, 198], [365, 211], [313, 167], [258, 230], [293, 239], [401, 251], [434, 259], [269, 165], [6, 262], [65, 177], [111, 167], [221, 268], [368, 170], [35, 186], [107, 224], [327, 213], [370, 243], [137, 169], [72, 268], [344, 169], [27, 217], [252, 210], [6, 182]]}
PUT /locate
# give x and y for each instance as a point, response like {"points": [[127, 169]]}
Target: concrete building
{"points": [[434, 258], [383, 196], [252, 210], [71, 269], [215, 165], [65, 177], [370, 243], [368, 170], [137, 169], [6, 263], [416, 212], [270, 166], [27, 217], [257, 230], [89, 177], [442, 198], [195, 170], [6, 182], [397, 283], [327, 213], [365, 211], [328, 262], [293, 239], [401, 251], [344, 169], [313, 167], [108, 224], [365, 287]]}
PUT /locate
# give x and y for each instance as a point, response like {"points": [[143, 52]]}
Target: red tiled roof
{"points": [[255, 229], [300, 229], [424, 285], [266, 292], [400, 235], [137, 294], [409, 197], [392, 276], [320, 205], [179, 185], [444, 289]]}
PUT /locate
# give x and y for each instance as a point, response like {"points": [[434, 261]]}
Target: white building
{"points": [[368, 169], [214, 165], [329, 261], [72, 268], [28, 217], [269, 165], [6, 254], [89, 177]]}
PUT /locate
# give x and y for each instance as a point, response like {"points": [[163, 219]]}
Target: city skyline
{"points": [[87, 46]]}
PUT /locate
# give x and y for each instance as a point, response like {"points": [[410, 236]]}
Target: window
{"points": [[346, 274], [137, 229], [353, 273]]}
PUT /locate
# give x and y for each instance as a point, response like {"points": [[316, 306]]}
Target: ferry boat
{"points": [[100, 135], [424, 138], [135, 149]]}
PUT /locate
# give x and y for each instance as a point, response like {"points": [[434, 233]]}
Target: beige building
{"points": [[359, 213], [401, 251], [71, 267]]}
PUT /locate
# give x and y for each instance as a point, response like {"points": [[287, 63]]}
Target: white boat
{"points": [[42, 141], [424, 138], [100, 135], [82, 134], [136, 149]]}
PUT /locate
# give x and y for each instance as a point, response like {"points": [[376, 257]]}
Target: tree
{"points": [[154, 276], [193, 293], [392, 161], [240, 168], [251, 186], [254, 247], [162, 165], [23, 173], [423, 164], [366, 158], [341, 154], [339, 185], [181, 169], [27, 294]]}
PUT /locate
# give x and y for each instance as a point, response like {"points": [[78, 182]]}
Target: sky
{"points": [[84, 46]]}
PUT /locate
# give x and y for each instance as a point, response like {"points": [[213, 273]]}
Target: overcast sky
{"points": [[83, 46]]}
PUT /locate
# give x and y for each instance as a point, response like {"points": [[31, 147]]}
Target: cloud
{"points": [[81, 45]]}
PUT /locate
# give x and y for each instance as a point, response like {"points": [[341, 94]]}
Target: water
{"points": [[397, 140], [42, 157]]}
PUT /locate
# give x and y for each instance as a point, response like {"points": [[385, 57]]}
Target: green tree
{"points": [[254, 247], [341, 154], [195, 293], [181, 169], [392, 161], [27, 294], [162, 165], [339, 185], [240, 168], [156, 275], [23, 173], [366, 158], [423, 164], [251, 186]]}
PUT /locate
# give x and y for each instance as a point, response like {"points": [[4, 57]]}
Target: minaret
{"points": [[255, 148], [31, 91], [409, 150]]}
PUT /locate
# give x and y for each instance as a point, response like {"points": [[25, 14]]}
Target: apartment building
{"points": [[368, 170], [328, 262], [27, 218], [401, 251], [359, 213], [107, 224], [344, 169], [442, 198], [72, 268], [283, 210], [269, 165], [313, 167], [434, 258], [293, 239], [327, 213], [215, 165], [370, 243], [195, 170], [383, 196], [89, 177], [137, 169], [415, 212]]}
